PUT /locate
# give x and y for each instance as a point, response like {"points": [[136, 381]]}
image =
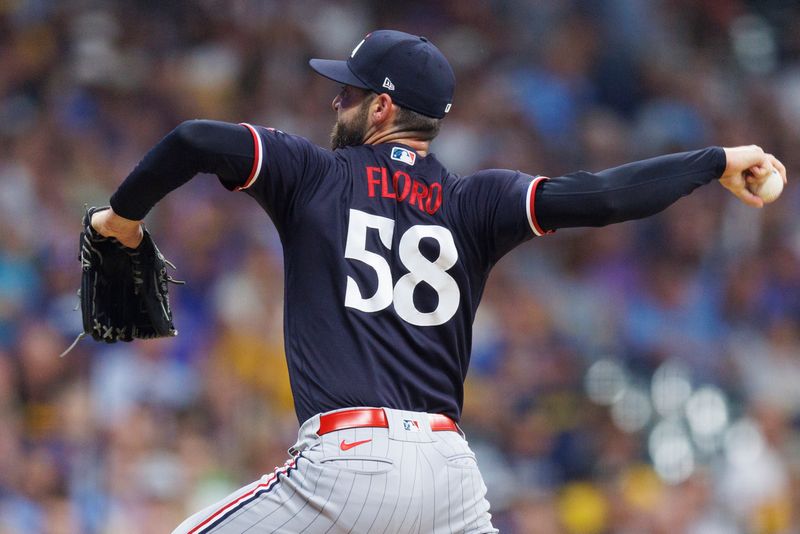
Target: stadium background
{"points": [[638, 378]]}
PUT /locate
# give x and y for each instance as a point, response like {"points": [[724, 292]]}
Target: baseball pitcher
{"points": [[386, 256]]}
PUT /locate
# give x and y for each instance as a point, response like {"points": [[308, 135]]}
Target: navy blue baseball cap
{"points": [[408, 68]]}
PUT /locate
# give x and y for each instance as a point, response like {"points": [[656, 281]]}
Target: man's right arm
{"points": [[644, 188]]}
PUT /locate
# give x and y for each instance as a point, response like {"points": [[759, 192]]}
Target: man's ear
{"points": [[382, 109]]}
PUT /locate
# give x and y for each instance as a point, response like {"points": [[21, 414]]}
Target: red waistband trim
{"points": [[375, 418]]}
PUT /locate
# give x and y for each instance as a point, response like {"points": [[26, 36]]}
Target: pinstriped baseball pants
{"points": [[401, 479]]}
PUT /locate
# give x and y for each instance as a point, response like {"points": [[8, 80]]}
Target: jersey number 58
{"points": [[420, 268]]}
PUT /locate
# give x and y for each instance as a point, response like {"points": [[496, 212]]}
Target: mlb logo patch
{"points": [[411, 425], [404, 156]]}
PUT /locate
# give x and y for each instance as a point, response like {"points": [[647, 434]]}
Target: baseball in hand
{"points": [[770, 189]]}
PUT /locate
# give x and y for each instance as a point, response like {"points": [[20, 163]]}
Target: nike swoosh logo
{"points": [[347, 446]]}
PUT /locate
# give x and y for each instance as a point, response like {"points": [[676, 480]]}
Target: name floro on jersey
{"points": [[402, 188]]}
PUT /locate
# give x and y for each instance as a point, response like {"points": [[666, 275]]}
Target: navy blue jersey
{"points": [[386, 253], [386, 256]]}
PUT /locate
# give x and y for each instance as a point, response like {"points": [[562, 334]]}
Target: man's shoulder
{"points": [[489, 174], [293, 146], [488, 178], [277, 134]]}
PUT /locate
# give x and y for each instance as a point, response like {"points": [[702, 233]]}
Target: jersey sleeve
{"points": [[497, 210], [285, 173], [631, 191], [281, 171]]}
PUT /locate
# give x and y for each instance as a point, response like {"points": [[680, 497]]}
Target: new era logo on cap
{"points": [[409, 67]]}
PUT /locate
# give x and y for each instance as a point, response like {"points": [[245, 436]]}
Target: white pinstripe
{"points": [[433, 488], [428, 485]]}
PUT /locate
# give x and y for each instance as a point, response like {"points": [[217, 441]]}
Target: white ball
{"points": [[770, 189]]}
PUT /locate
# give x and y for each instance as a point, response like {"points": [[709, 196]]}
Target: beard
{"points": [[351, 133]]}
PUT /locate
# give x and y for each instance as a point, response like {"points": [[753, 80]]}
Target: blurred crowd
{"points": [[639, 378]]}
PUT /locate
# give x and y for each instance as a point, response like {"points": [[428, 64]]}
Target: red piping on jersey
{"points": [[257, 158], [538, 230], [278, 470]]}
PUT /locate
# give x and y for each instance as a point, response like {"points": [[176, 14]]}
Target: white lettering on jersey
{"points": [[421, 269]]}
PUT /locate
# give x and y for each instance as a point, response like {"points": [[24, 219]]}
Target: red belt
{"points": [[376, 418]]}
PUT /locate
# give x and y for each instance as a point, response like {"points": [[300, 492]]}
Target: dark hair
{"points": [[426, 128]]}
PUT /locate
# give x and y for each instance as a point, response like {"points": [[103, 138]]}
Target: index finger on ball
{"points": [[780, 168], [761, 171]]}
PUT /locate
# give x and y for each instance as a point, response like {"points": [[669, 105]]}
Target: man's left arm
{"points": [[193, 147], [644, 188]]}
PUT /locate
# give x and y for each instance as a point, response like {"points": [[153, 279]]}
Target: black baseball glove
{"points": [[123, 294]]}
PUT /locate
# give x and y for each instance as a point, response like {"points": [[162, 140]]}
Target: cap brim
{"points": [[336, 70]]}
